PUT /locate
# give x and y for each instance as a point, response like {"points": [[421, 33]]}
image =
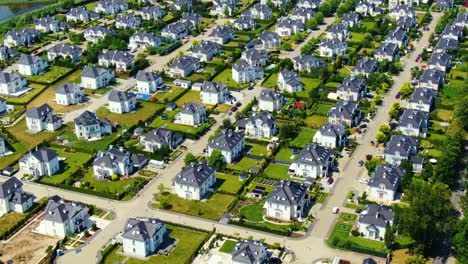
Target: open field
{"points": [[144, 111]]}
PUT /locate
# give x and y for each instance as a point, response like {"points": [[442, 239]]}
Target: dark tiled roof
{"points": [[195, 174], [141, 229], [288, 193], [226, 140]]}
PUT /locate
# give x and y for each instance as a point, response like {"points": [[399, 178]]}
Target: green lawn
{"points": [[271, 82], [444, 115], [315, 121], [106, 186], [31, 140], [309, 85], [228, 183], [97, 145], [51, 76], [277, 171], [226, 78], [19, 149], [8, 220], [304, 137], [243, 165], [189, 97], [228, 246], [212, 209], [258, 150], [322, 109], [169, 95], [358, 37], [348, 217], [67, 167], [144, 111], [91, 6], [36, 89], [450, 93], [253, 212], [285, 154], [114, 257]]}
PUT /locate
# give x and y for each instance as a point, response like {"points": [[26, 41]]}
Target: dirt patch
{"points": [[26, 246]]}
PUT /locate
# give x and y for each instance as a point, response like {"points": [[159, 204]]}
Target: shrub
{"points": [[347, 244], [335, 241], [165, 203], [355, 232], [114, 177]]}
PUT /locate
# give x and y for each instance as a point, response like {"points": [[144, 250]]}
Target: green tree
{"points": [[416, 259], [114, 177], [389, 238], [395, 111], [326, 9], [189, 158], [380, 137], [298, 38], [289, 130], [227, 124], [406, 91], [319, 17], [216, 160], [409, 174], [460, 241], [447, 164], [312, 23]]}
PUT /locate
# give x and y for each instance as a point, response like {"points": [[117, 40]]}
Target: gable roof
{"points": [[212, 87], [183, 61], [414, 117], [353, 84], [226, 140], [94, 71], [141, 229], [270, 95], [388, 175], [6, 77], [288, 193], [249, 252], [402, 144], [88, 118], [423, 95], [365, 65], [159, 135], [9, 186], [314, 155], [195, 174], [39, 112], [28, 59], [191, 108], [145, 76], [120, 96], [332, 130], [344, 109], [67, 88], [59, 211], [377, 215]]}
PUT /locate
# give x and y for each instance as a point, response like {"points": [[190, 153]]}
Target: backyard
{"points": [[226, 78], [73, 161], [228, 183], [190, 97], [228, 246], [277, 171], [309, 85], [170, 95], [304, 137], [94, 146], [144, 111], [51, 76], [244, 164], [258, 150]]}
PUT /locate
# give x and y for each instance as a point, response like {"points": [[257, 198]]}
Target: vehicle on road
{"points": [[233, 109], [397, 96], [364, 181], [363, 126], [335, 210], [250, 88], [229, 113], [330, 180], [35, 52], [238, 104], [361, 162]]}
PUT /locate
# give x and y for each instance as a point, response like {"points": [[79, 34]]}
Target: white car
{"points": [[365, 181]]}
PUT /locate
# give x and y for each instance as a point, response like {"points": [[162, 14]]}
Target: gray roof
{"points": [[66, 49], [423, 95], [267, 36], [145, 76], [309, 60], [259, 8], [118, 56], [222, 32], [206, 47], [339, 28], [452, 29], [462, 18], [44, 154], [401, 143], [403, 8], [345, 109], [447, 43], [397, 35], [291, 77], [190, 108], [120, 96], [349, 17], [127, 19], [387, 49], [245, 20], [406, 22], [99, 29], [20, 197], [152, 10], [109, 157], [366, 66], [22, 33], [159, 135], [414, 117], [302, 12], [288, 193], [270, 95], [176, 27], [40, 112], [77, 11], [28, 59], [388, 175], [88, 118], [140, 229], [195, 174], [45, 21], [262, 119], [443, 59], [94, 71], [9, 186], [59, 211], [289, 23], [432, 75], [226, 140], [353, 84], [67, 88], [183, 62], [106, 3], [254, 54], [333, 130], [194, 18], [315, 155], [369, 261], [332, 43], [6, 77], [249, 252], [377, 215], [242, 65], [213, 87]]}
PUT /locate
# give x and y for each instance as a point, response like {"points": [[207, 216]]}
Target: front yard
{"points": [[52, 75], [145, 110], [73, 161]]}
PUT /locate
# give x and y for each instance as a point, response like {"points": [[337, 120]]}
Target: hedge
{"points": [[261, 228], [20, 224], [87, 191], [106, 251]]}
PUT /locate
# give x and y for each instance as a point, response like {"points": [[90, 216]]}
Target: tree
{"points": [[406, 91], [385, 129], [189, 158], [446, 169], [286, 46], [389, 238], [395, 111], [427, 171], [289, 131], [416, 259], [460, 241], [326, 9], [227, 124], [114, 177], [380, 137], [216, 160], [409, 174], [312, 23], [319, 17], [298, 37]]}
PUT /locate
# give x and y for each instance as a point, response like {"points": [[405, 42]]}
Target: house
{"points": [[249, 251], [69, 94], [440, 61], [269, 39], [307, 63], [444, 4], [422, 99], [310, 4], [152, 13], [346, 113], [177, 30], [144, 40], [157, 138], [3, 148], [398, 37], [13, 198], [31, 65], [401, 11], [182, 5], [230, 143], [11, 83], [461, 20], [352, 89], [288, 201], [330, 135], [350, 20], [413, 123], [377, 2], [243, 72], [183, 66], [289, 81], [223, 8], [214, 93], [302, 14], [366, 9], [255, 57], [262, 125], [192, 19], [259, 11], [95, 33], [374, 220], [127, 21], [142, 236], [90, 127], [339, 31], [384, 183], [288, 27], [400, 147], [386, 51], [332, 47], [452, 31], [245, 22], [95, 77], [110, 7], [270, 100], [23, 37], [206, 50], [195, 181], [63, 218], [121, 102], [393, 3], [446, 45], [65, 50], [7, 53], [42, 118], [191, 114], [121, 60], [277, 3], [116, 161], [80, 14], [222, 34], [313, 161], [149, 82], [40, 162], [406, 23], [49, 25], [365, 67], [433, 79]]}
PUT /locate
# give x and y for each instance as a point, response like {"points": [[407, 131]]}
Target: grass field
{"points": [[189, 97], [322, 109], [258, 150], [97, 145], [8, 220], [243, 165], [226, 78], [228, 246], [309, 85], [51, 76], [169, 95], [304, 137], [36, 89], [228, 183], [19, 130], [315, 121], [253, 212], [271, 82], [277, 171], [105, 186], [19, 149], [69, 166], [285, 154], [144, 111]]}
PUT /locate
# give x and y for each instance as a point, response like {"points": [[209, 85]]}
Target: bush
{"points": [[355, 232], [114, 177], [165, 203], [335, 241]]}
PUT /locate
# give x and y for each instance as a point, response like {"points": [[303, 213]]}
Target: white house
{"points": [[152, 13], [144, 40], [289, 27], [122, 102], [206, 50], [149, 82], [89, 127], [288, 201], [121, 60], [3, 148], [31, 65], [250, 251], [243, 72], [422, 99], [413, 123], [142, 236], [127, 21], [330, 135], [307, 63], [332, 47], [384, 183], [42, 118], [183, 66], [400, 147], [111, 7], [352, 89], [157, 138], [313, 161], [95, 77], [346, 113], [373, 221], [49, 24], [62, 218], [69, 94], [191, 114], [230, 143], [214, 93], [23, 37], [222, 34], [289, 81], [259, 125], [80, 14], [13, 198], [195, 181], [40, 162], [11, 83], [117, 161], [65, 50], [270, 100], [95, 33]]}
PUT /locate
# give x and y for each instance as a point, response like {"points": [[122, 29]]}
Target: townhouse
{"points": [[65, 51], [352, 89]]}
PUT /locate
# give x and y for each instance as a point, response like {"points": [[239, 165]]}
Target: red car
{"points": [[34, 52], [397, 96], [330, 180]]}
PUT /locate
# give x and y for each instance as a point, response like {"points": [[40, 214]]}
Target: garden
{"points": [[228, 183], [277, 171], [51, 76], [244, 164], [226, 77], [68, 167], [143, 112]]}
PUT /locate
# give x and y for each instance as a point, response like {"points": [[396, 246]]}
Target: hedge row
{"points": [[261, 228], [20, 224], [87, 191]]}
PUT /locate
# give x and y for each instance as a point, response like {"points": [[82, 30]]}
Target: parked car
{"points": [[34, 52], [330, 180], [238, 104], [229, 113], [397, 96], [360, 163], [363, 126], [372, 143], [335, 210], [233, 109], [365, 181], [358, 211]]}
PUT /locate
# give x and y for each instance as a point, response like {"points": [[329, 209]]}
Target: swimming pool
{"points": [[142, 96]]}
